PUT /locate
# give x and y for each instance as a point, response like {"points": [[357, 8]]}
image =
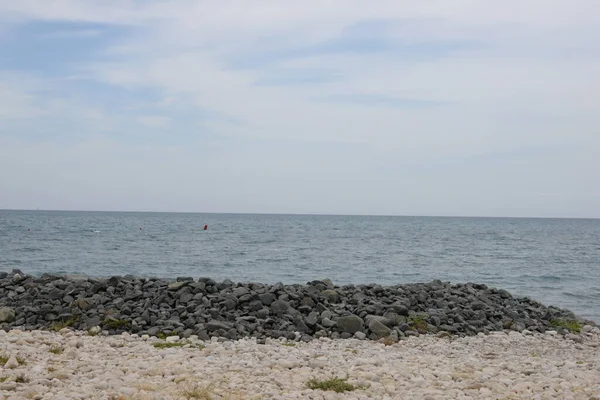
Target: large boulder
{"points": [[331, 295], [350, 324], [379, 329]]}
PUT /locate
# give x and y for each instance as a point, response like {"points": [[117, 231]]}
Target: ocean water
{"points": [[555, 261]]}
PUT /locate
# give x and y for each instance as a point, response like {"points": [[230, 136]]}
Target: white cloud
{"points": [[505, 76], [154, 121]]}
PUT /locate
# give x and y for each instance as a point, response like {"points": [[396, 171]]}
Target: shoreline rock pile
{"points": [[228, 310]]}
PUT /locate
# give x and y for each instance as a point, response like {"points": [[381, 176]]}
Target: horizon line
{"points": [[316, 214]]}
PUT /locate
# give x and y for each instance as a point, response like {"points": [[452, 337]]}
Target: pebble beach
{"points": [[128, 338], [501, 365]]}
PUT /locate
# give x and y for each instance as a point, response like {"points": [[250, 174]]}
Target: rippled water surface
{"points": [[556, 261]]}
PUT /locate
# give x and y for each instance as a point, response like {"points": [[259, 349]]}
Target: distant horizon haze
{"points": [[309, 214]]}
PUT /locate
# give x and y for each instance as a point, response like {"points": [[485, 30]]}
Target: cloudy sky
{"points": [[434, 107]]}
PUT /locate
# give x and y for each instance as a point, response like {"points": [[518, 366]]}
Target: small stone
{"points": [[327, 323], [82, 304], [71, 354], [575, 338], [11, 363], [360, 335], [587, 328], [8, 386], [95, 330]]}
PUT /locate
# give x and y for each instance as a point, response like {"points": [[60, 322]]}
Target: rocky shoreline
{"points": [[231, 311]]}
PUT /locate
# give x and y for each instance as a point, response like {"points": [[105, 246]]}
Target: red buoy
{"points": [[205, 227]]}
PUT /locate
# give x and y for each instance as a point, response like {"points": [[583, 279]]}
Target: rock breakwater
{"points": [[205, 308]]}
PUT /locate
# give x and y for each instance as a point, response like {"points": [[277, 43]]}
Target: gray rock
{"points": [[331, 295], [394, 318], [320, 334], [399, 309], [301, 327], [240, 291], [378, 328], [280, 307], [214, 325], [267, 298], [328, 283], [186, 298], [263, 313], [360, 335], [153, 331], [229, 304], [350, 324], [327, 323], [255, 305], [7, 314], [312, 318], [326, 314], [573, 337], [404, 327], [174, 286]]}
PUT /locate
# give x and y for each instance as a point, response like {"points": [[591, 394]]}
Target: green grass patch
{"points": [[169, 345], [418, 324], [571, 325], [58, 325], [338, 385], [116, 323], [197, 392], [162, 335], [4, 359], [56, 349]]}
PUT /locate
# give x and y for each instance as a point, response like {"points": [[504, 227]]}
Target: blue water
{"points": [[555, 261]]}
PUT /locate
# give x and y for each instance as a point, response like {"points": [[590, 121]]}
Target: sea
{"points": [[555, 261]]}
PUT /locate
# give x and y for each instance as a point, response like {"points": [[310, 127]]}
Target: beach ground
{"points": [[75, 365]]}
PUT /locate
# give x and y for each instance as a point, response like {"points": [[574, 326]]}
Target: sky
{"points": [[434, 107]]}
